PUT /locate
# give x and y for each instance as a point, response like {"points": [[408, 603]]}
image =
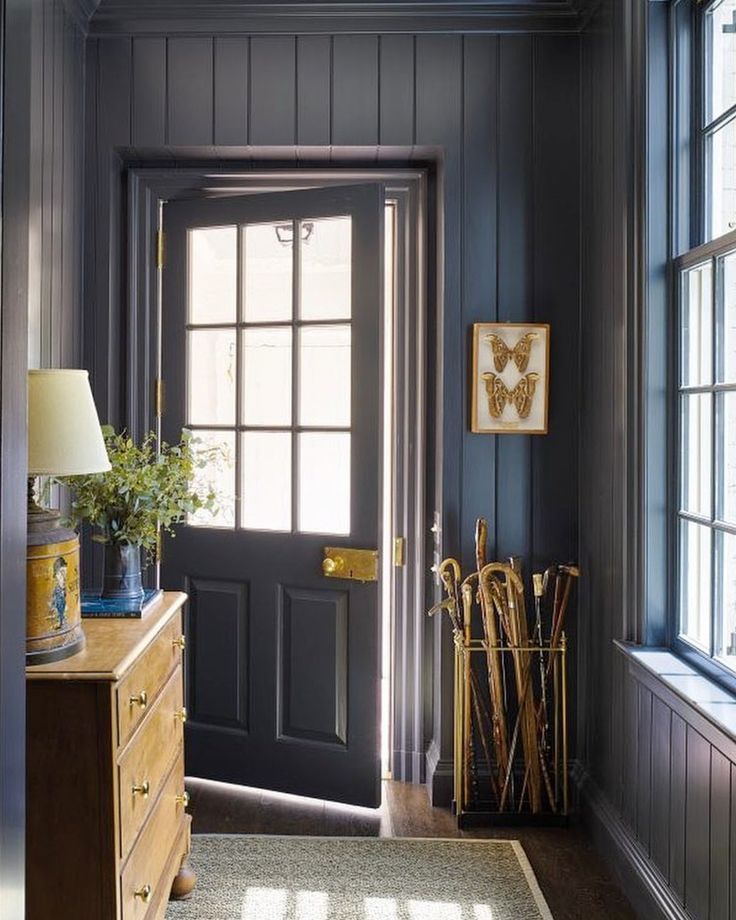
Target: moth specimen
{"points": [[520, 397], [519, 354]]}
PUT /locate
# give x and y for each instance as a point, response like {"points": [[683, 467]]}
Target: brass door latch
{"points": [[346, 562]]}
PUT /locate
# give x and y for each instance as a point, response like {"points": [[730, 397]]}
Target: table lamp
{"points": [[64, 439]]}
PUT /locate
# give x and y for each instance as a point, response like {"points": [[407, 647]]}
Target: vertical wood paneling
{"points": [[660, 784], [678, 799], [56, 164], [439, 90], [313, 59], [644, 766], [113, 131], [480, 166], [631, 752], [149, 92], [556, 236], [396, 90], [355, 90], [497, 131], [720, 835], [732, 885], [272, 90], [190, 102], [697, 825], [515, 280], [231, 91]]}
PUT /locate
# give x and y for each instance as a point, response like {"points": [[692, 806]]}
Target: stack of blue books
{"points": [[95, 606]]}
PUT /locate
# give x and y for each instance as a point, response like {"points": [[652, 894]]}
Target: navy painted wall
{"points": [[504, 112]]}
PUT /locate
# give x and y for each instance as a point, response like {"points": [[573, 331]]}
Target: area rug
{"points": [[359, 878]]}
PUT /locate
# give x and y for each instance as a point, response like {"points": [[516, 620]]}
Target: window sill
{"points": [[704, 695]]}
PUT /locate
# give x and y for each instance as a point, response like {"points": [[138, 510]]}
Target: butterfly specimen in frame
{"points": [[519, 354], [520, 397]]}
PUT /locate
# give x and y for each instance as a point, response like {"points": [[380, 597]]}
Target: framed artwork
{"points": [[510, 384]]}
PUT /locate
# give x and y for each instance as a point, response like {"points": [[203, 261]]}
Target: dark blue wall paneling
{"points": [[502, 113]]}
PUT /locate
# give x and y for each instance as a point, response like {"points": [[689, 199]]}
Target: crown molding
{"points": [[131, 17]]}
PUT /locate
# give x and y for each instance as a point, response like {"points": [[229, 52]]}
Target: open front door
{"points": [[272, 310]]}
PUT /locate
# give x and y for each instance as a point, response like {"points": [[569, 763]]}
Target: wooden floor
{"points": [[574, 879]]}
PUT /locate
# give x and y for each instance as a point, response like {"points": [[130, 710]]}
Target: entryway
{"points": [[290, 346]]}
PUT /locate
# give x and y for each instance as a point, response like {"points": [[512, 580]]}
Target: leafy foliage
{"points": [[146, 489]]}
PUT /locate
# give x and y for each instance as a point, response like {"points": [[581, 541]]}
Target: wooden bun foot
{"points": [[183, 884]]}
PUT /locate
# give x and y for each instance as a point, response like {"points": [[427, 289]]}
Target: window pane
{"points": [[696, 452], [212, 274], [269, 263], [727, 479], [324, 482], [267, 376], [721, 42], [695, 583], [728, 321], [217, 450], [727, 581], [266, 491], [324, 376], [211, 377], [325, 274], [697, 326], [722, 179]]}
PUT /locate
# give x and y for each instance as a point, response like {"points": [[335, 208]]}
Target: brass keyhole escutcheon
{"points": [[354, 564]]}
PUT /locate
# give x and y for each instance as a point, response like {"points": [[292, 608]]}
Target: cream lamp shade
{"points": [[64, 435]]}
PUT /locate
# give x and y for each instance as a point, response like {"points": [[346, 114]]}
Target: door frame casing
{"points": [[149, 187]]}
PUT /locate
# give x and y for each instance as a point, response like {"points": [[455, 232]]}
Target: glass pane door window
{"points": [[269, 339], [706, 517]]}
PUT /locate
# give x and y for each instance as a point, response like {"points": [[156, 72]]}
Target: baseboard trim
{"points": [[642, 883], [440, 775]]}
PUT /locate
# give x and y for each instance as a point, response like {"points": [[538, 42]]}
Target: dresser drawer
{"points": [[147, 759], [138, 690], [144, 872]]}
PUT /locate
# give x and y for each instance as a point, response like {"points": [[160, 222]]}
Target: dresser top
{"points": [[113, 644]]}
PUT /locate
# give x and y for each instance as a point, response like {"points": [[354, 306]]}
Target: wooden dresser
{"points": [[107, 828]]}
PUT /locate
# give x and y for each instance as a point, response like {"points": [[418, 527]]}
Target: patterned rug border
{"points": [[526, 866]]}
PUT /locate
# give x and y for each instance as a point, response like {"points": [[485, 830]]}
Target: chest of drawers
{"points": [[107, 828]]}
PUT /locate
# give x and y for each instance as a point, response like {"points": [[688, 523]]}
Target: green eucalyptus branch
{"points": [[150, 487]]}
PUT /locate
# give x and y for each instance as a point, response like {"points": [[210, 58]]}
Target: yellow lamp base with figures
{"points": [[53, 606]]}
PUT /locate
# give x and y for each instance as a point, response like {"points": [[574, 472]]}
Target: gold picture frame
{"points": [[510, 382]]}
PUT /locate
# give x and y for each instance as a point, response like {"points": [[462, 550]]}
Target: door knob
{"points": [[331, 565]]}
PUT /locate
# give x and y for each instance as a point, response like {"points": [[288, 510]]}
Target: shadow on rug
{"points": [[348, 878]]}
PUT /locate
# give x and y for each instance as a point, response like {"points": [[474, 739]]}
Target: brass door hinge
{"points": [[160, 253], [159, 397], [399, 551]]}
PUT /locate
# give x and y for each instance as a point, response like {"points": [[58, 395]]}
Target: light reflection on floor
{"points": [[281, 904]]}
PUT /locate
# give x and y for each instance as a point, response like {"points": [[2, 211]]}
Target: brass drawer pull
{"points": [[143, 788], [144, 893], [180, 643], [181, 714], [140, 698], [183, 799]]}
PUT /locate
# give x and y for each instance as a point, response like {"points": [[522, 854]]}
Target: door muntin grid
{"points": [[270, 372]]}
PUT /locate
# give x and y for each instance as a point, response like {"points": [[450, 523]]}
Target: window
{"points": [[718, 139], [705, 410]]}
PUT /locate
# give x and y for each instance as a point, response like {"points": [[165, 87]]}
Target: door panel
{"points": [[272, 314]]}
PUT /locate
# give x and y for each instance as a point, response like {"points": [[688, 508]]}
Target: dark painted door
{"points": [[272, 307]]}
